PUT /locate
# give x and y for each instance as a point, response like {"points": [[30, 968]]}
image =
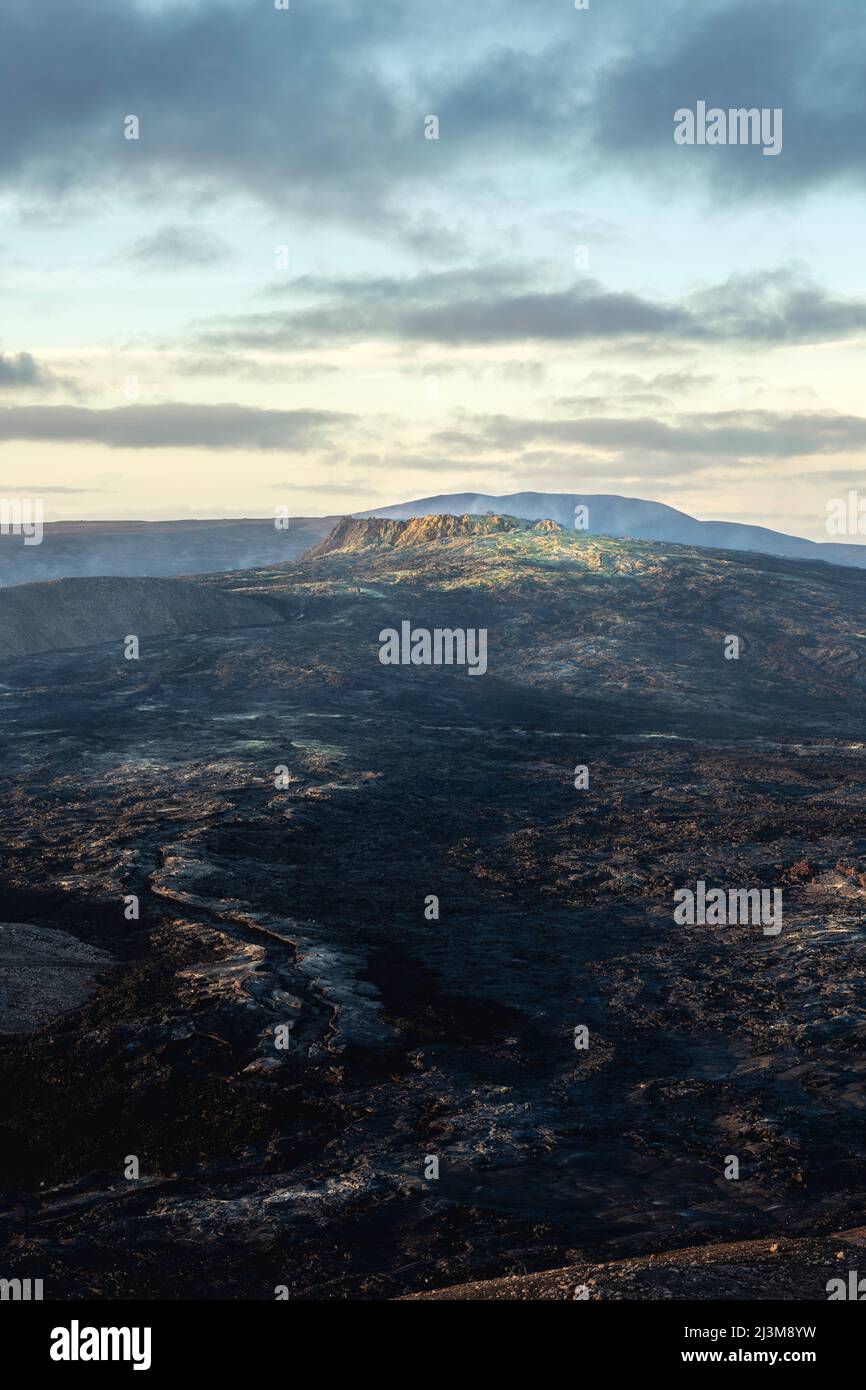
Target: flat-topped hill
{"points": [[353, 533]]}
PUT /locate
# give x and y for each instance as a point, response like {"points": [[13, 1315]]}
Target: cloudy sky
{"points": [[283, 293]]}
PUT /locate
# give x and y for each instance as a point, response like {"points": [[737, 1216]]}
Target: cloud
{"points": [[295, 108], [320, 109], [20, 371], [777, 307], [173, 425], [677, 383], [178, 248], [722, 436], [449, 312], [793, 54], [228, 364], [23, 372], [488, 307]]}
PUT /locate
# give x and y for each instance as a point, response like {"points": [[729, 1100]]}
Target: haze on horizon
{"points": [[283, 294]]}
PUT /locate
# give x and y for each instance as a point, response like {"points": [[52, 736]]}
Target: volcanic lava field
{"points": [[303, 905]]}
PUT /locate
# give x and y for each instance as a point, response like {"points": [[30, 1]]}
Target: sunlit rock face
{"points": [[353, 533]]}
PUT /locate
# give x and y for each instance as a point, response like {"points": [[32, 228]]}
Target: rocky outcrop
{"points": [[353, 533]]}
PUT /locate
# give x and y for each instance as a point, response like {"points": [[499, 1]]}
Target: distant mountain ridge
{"points": [[611, 515], [157, 549]]}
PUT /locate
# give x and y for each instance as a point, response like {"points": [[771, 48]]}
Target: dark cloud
{"points": [[448, 312], [234, 97], [721, 435], [777, 307], [584, 313], [302, 109], [320, 108], [465, 308], [173, 425], [804, 57], [21, 371]]}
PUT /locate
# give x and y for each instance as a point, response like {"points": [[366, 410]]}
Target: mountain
{"points": [[630, 516], [637, 624], [171, 548], [396, 868], [640, 624]]}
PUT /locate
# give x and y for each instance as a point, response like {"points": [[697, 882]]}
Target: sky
{"points": [[284, 293]]}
